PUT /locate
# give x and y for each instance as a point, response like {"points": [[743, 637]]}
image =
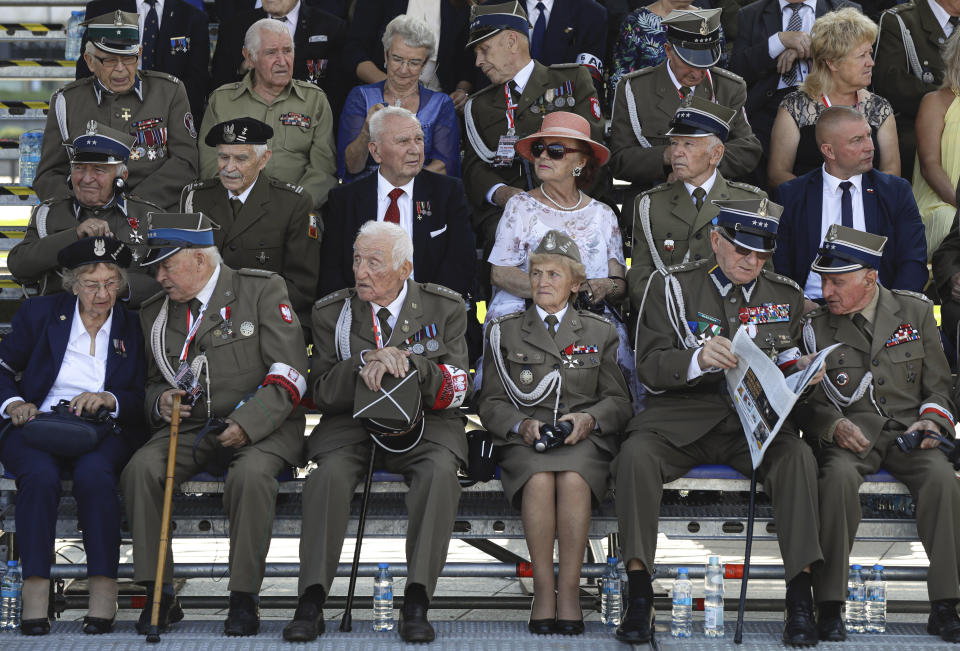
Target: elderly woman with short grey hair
{"points": [[408, 45]]}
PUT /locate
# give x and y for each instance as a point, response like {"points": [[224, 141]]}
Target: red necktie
{"points": [[393, 210]]}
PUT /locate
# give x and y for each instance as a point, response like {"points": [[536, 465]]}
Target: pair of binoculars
{"points": [[553, 435]]}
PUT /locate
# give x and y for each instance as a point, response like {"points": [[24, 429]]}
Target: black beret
{"points": [[92, 250], [240, 131]]}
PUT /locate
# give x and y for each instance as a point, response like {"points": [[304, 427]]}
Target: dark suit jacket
{"points": [[888, 209], [371, 18], [751, 60], [226, 9], [36, 346], [319, 38], [575, 27], [444, 251], [179, 19]]}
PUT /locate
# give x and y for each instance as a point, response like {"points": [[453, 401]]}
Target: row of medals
{"points": [[540, 106]]}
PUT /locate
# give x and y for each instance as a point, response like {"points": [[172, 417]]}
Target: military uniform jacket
{"points": [[708, 305], [257, 337], [333, 381], [643, 107], [485, 119], [53, 225], [668, 230], [584, 357], [902, 375], [303, 145], [276, 230], [155, 110]]}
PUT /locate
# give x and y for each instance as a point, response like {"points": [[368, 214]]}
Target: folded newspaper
{"points": [[762, 395]]}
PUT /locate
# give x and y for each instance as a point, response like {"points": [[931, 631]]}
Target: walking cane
{"points": [[346, 623], [738, 635], [153, 636]]}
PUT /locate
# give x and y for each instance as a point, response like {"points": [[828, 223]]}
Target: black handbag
{"points": [[64, 434], [481, 466]]}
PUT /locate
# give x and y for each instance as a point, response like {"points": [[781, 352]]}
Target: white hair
{"points": [[121, 168], [713, 141], [402, 250], [412, 31], [212, 254], [251, 41], [376, 126], [260, 150]]}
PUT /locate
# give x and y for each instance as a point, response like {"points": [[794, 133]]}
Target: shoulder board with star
{"points": [[256, 273], [201, 184], [746, 186], [657, 188], [334, 298], [132, 198], [821, 311], [440, 290], [723, 72], [564, 66], [778, 278], [639, 73], [289, 187], [898, 9], [146, 74], [507, 317], [916, 295], [688, 266], [307, 85], [593, 315], [86, 81], [53, 200]]}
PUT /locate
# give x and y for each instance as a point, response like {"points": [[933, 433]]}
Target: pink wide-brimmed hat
{"points": [[563, 124]]}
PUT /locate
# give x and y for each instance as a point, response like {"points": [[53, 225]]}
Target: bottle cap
{"points": [[383, 566], [11, 563], [856, 567], [681, 571], [877, 566], [713, 560], [611, 559]]}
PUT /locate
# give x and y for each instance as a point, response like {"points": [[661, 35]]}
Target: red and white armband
{"points": [[933, 409], [787, 358], [288, 378], [453, 388]]}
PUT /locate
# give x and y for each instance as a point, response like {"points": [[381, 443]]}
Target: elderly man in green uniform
{"points": [[908, 64], [683, 346], [888, 379], [152, 106], [646, 101], [672, 222], [385, 329], [100, 205], [264, 223], [521, 93], [304, 153], [231, 345]]}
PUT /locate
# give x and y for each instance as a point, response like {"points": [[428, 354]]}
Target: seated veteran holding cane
{"points": [[70, 359], [229, 342], [556, 403], [387, 337], [684, 333], [885, 402]]}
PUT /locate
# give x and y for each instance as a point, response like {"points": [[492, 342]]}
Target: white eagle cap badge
{"points": [[92, 128], [99, 247]]}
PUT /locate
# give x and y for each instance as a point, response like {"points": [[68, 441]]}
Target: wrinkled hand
{"points": [[373, 111], [786, 60], [955, 287], [165, 405], [89, 403], [849, 436], [20, 412], [372, 375], [598, 288], [804, 362], [924, 424], [716, 353], [94, 227], [504, 194], [530, 430], [393, 358], [799, 42], [459, 97], [233, 436], [583, 424]]}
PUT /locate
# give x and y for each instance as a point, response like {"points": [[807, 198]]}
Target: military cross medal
{"points": [[125, 113], [262, 258]]}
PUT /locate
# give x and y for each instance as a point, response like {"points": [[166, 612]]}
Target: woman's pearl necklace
{"points": [[543, 189]]}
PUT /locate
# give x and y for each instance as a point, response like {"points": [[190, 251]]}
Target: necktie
{"points": [[552, 323], [384, 315], [685, 91], [393, 210], [236, 205], [698, 195], [151, 30], [539, 27], [954, 21], [282, 19], [846, 205], [194, 305], [863, 325], [792, 78]]}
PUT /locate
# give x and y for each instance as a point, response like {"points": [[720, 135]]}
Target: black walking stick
{"points": [[346, 623], [738, 635]]}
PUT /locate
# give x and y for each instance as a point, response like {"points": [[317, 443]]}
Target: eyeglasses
{"points": [[111, 62], [413, 64], [94, 287], [744, 252], [554, 150]]}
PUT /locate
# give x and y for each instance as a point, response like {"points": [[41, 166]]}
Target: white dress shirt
{"points": [[533, 13], [291, 18], [706, 185], [544, 314], [404, 203], [830, 214], [520, 79], [142, 9], [775, 46], [943, 18], [394, 308], [243, 195]]}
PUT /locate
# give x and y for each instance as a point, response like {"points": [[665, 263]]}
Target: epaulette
{"points": [[290, 187], [86, 81], [774, 276], [485, 89], [160, 75], [688, 266], [53, 200], [593, 315], [657, 188], [896, 9], [504, 317], [639, 73], [256, 273], [307, 84], [563, 66], [916, 295], [153, 299], [821, 310], [141, 200], [200, 184], [723, 72], [440, 290], [339, 295], [746, 186]]}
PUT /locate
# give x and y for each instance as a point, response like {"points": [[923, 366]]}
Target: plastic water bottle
{"points": [[612, 588], [383, 599], [10, 591], [681, 620], [713, 598], [876, 604], [856, 596], [31, 142], [74, 35]]}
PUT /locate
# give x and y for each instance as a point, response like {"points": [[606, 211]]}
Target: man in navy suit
{"points": [[181, 48], [848, 191], [432, 208]]}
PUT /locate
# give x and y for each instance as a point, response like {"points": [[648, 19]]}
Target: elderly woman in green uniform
{"points": [[555, 401]]}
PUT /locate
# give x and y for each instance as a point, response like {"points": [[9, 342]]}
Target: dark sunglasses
{"points": [[744, 252], [554, 150]]}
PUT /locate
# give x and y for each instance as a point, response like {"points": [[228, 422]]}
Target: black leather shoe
{"points": [[570, 626], [830, 628], [413, 626], [243, 618], [799, 626], [307, 623], [35, 626], [97, 625], [637, 624], [541, 626], [170, 612], [943, 620]]}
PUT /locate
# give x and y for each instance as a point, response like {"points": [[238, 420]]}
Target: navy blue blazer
{"points": [[888, 209], [444, 248], [31, 355], [576, 27]]}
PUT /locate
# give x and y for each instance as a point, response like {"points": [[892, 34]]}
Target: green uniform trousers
{"points": [[647, 461], [249, 497], [936, 492], [430, 471]]}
